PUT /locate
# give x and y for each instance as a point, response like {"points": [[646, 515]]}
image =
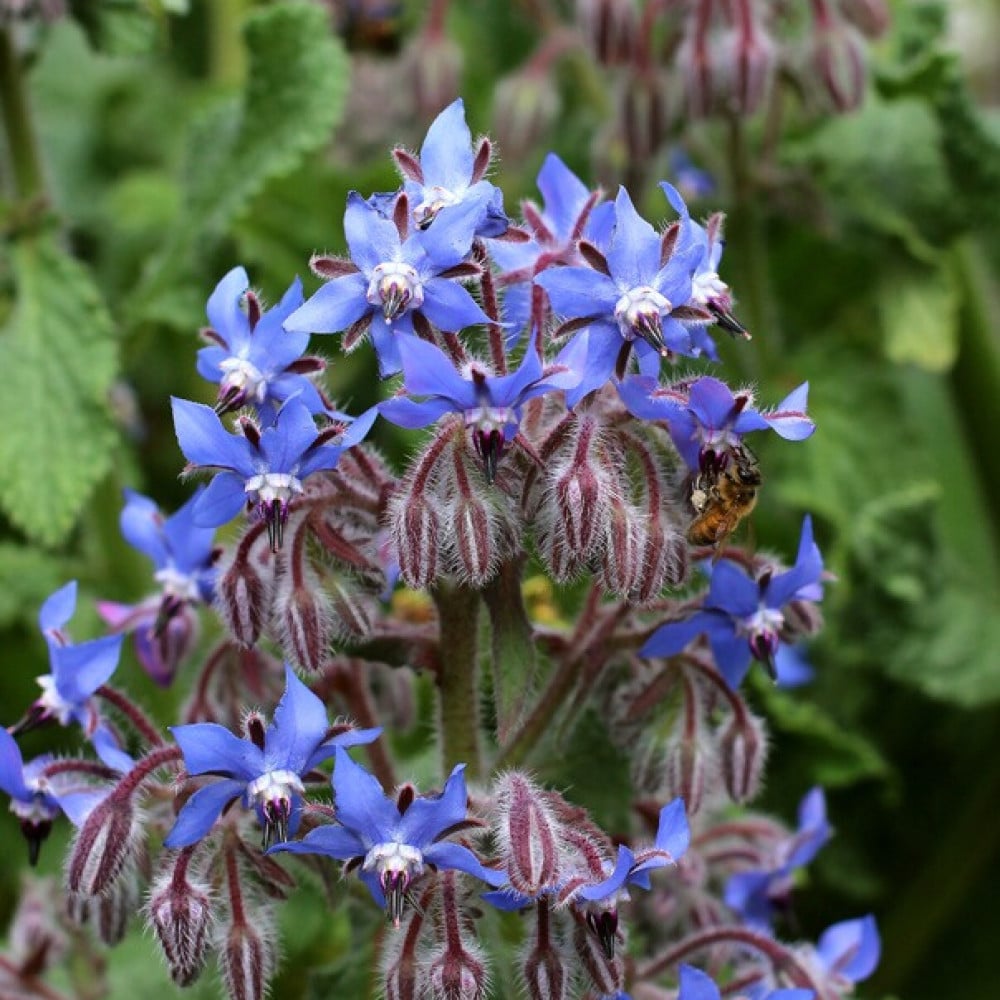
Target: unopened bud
{"points": [[644, 116], [870, 17], [457, 973], [415, 525], [663, 560], [304, 621], [743, 751], [245, 959], [110, 913], [528, 835], [37, 940], [800, 619], [525, 106], [404, 976], [180, 913], [437, 66], [606, 974], [353, 610], [104, 844], [546, 971], [163, 645], [610, 28], [624, 540], [245, 588], [838, 60], [688, 771]]}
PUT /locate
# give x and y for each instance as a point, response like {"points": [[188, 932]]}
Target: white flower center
{"points": [[271, 486], [765, 620], [394, 857], [435, 198], [490, 418], [176, 584], [639, 310], [275, 786], [707, 287], [396, 287], [53, 702], [240, 374]]}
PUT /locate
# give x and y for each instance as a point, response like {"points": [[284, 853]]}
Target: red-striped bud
{"points": [[180, 912], [838, 60], [245, 588], [415, 524], [606, 974], [743, 751], [528, 834], [245, 958], [304, 622], [104, 844], [546, 970]]}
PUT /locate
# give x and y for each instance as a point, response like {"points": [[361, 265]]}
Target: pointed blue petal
{"points": [[789, 419], [409, 413], [12, 768], [372, 238], [732, 591], [564, 195], [220, 502], [209, 748], [674, 636], [297, 727], [333, 307], [58, 608], [634, 252], [81, 669], [446, 157], [461, 859], [576, 292], [352, 738], [141, 525], [360, 802], [428, 371], [200, 812], [614, 882], [449, 306], [851, 948], [205, 442], [696, 985], [333, 841], [732, 654], [109, 750], [808, 570], [223, 309], [428, 817], [712, 402]]}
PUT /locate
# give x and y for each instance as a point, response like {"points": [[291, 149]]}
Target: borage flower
{"points": [[449, 174], [392, 281], [253, 359], [756, 893], [165, 625], [707, 420], [266, 767], [845, 954], [489, 404], [393, 842], [76, 671], [634, 297], [260, 467], [742, 617], [32, 798], [697, 985]]}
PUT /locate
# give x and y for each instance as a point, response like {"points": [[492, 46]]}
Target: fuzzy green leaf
{"points": [[29, 576], [919, 314], [294, 96], [59, 357]]}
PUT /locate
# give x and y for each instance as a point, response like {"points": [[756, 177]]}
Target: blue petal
{"points": [[409, 413], [634, 252], [372, 238], [273, 348], [201, 811], [81, 669], [209, 748], [564, 193], [58, 608], [446, 157], [449, 306], [109, 750], [732, 591], [352, 738], [141, 525], [792, 668], [789, 419], [461, 859], [223, 309], [360, 802], [333, 841], [696, 985], [332, 307], [205, 442], [297, 727], [851, 948], [384, 341], [675, 636], [808, 570], [189, 545], [507, 900], [603, 347], [732, 654], [12, 768], [209, 362], [220, 502], [576, 292], [636, 392], [672, 833], [428, 371], [747, 894], [447, 242], [712, 402], [428, 817], [614, 882], [284, 443]]}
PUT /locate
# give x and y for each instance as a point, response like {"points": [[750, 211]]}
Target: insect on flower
{"points": [[722, 494]]}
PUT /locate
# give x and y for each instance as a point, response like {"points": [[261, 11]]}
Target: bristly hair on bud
{"points": [[742, 754], [303, 616], [246, 955], [105, 843], [527, 833], [245, 586], [545, 965]]}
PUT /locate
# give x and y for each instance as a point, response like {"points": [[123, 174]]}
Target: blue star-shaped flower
{"points": [[391, 842], [755, 893], [741, 616], [706, 419], [396, 279], [849, 951], [76, 671], [629, 303], [262, 467], [490, 404], [449, 173], [254, 360], [33, 800], [183, 555], [697, 985], [266, 768]]}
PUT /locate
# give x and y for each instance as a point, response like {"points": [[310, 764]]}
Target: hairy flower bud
{"points": [[304, 621], [415, 524], [437, 65], [528, 834], [838, 61], [606, 974], [525, 106], [870, 17], [110, 913], [245, 958], [688, 771], [180, 912], [245, 587], [610, 28], [104, 844], [37, 940], [546, 971], [743, 751]]}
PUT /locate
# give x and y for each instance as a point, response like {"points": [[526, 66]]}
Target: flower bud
{"points": [[244, 589], [245, 958], [546, 971], [437, 65], [525, 107], [405, 978], [743, 751], [528, 834], [304, 622], [415, 525], [180, 912], [870, 17], [457, 973], [663, 560], [689, 770], [838, 61], [161, 646], [606, 974], [609, 27], [644, 116], [801, 619], [37, 940], [353, 610], [624, 540], [110, 913], [103, 845]]}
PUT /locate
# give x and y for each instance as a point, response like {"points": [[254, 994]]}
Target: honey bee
{"points": [[722, 493]]}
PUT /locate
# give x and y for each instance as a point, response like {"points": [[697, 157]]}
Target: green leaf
{"points": [[59, 358], [919, 315], [29, 577], [118, 27], [294, 96], [834, 755]]}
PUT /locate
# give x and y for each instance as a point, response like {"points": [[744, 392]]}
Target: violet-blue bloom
{"points": [[756, 893], [848, 952], [396, 280], [266, 768], [253, 359], [33, 799], [706, 419], [742, 617], [76, 671], [264, 469], [164, 625], [449, 176], [631, 304], [697, 985], [490, 404], [393, 845]]}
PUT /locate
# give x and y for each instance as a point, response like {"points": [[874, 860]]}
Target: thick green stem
{"points": [[458, 676], [25, 162], [513, 647], [227, 54]]}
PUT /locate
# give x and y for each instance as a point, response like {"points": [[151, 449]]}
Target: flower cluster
{"points": [[541, 355]]}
